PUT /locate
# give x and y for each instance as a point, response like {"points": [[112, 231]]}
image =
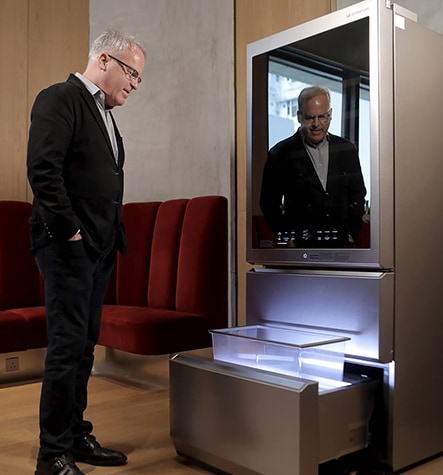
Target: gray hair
{"points": [[113, 41], [310, 92]]}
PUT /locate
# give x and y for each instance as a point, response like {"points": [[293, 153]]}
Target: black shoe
{"points": [[87, 450], [63, 465]]}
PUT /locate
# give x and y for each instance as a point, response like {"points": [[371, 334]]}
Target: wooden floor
{"points": [[132, 419]]}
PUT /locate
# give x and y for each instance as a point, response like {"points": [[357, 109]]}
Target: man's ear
{"points": [[103, 60]]}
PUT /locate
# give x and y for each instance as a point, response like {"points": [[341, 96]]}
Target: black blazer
{"points": [[76, 181], [289, 173]]}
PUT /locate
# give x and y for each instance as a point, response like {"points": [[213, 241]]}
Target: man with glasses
{"points": [[75, 169], [312, 191]]}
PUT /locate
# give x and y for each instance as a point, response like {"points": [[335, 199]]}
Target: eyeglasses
{"points": [[130, 72], [322, 118]]}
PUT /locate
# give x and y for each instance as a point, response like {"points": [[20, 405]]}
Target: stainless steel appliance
{"points": [[383, 295]]}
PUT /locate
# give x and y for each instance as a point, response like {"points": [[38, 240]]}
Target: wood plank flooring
{"points": [[126, 417]]}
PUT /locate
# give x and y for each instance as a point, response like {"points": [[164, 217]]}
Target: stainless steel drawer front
{"points": [[246, 421]]}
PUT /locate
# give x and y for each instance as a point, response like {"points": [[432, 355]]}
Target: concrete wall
{"points": [[178, 128], [430, 12]]}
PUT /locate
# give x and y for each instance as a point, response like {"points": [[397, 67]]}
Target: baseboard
{"points": [[145, 371], [21, 366]]}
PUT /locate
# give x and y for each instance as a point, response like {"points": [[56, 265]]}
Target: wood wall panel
{"points": [[43, 41], [58, 41], [256, 19], [58, 44], [13, 110]]}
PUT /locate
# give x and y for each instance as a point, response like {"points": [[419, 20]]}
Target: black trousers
{"points": [[76, 279]]}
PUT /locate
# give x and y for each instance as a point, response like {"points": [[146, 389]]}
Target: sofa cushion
{"points": [[132, 270], [164, 254], [14, 334], [20, 283], [35, 318], [202, 271], [145, 330]]}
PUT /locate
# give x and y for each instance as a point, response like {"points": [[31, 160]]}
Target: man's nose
{"points": [[134, 83]]}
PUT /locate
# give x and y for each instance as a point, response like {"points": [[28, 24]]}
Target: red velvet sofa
{"points": [[163, 297]]}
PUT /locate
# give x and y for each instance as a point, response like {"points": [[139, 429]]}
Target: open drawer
{"points": [[244, 421]]}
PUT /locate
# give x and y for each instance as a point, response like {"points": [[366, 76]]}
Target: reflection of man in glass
{"points": [[313, 191]]}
